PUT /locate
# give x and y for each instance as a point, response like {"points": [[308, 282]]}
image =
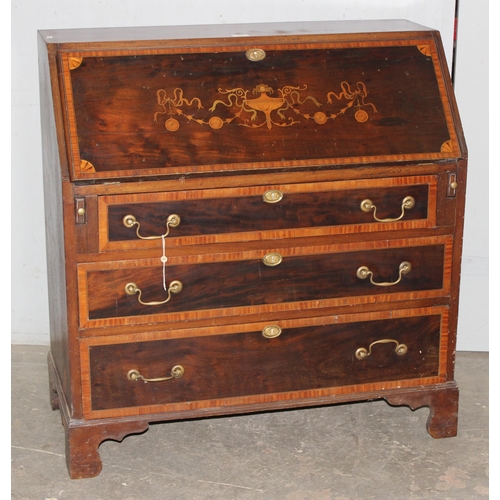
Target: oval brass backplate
{"points": [[272, 196], [272, 259], [271, 331], [255, 55]]}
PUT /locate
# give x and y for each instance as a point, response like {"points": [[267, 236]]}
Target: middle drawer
{"points": [[196, 287]]}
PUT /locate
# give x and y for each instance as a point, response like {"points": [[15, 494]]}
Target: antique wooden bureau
{"points": [[246, 218]]}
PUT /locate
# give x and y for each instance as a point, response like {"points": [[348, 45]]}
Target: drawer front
{"points": [[132, 292], [265, 212], [314, 103], [247, 364]]}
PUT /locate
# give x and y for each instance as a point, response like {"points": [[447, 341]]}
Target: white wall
{"points": [[29, 310], [471, 90]]}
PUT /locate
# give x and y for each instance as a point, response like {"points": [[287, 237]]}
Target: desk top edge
{"points": [[237, 31]]}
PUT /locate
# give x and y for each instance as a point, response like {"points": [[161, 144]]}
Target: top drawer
{"points": [[171, 110], [197, 217]]}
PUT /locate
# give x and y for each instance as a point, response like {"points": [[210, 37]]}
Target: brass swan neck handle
{"points": [[131, 221], [132, 289], [407, 204], [363, 272]]}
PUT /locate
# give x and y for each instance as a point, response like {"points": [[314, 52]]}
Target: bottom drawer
{"points": [[321, 355]]}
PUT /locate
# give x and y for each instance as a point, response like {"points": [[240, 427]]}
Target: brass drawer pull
{"points": [[400, 349], [272, 259], [363, 272], [176, 372], [272, 196], [367, 206], [132, 289], [271, 331], [172, 221]]}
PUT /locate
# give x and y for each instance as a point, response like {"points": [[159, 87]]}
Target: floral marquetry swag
{"points": [[262, 106]]}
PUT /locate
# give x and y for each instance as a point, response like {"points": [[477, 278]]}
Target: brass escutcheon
{"points": [[271, 331], [400, 349], [272, 196], [255, 55], [272, 259], [176, 372]]}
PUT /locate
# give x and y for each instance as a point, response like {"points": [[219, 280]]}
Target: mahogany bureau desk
{"points": [[245, 218]]}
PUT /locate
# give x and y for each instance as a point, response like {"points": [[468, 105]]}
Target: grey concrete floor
{"points": [[356, 451]]}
